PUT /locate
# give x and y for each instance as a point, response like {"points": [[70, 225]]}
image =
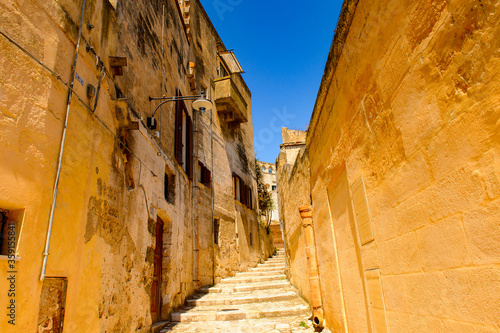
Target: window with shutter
{"points": [[183, 137], [189, 148]]}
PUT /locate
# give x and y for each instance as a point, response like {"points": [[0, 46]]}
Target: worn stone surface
{"points": [[409, 106], [268, 310], [116, 181]]}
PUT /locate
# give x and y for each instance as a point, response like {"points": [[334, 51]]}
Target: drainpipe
{"points": [[61, 150], [196, 242], [312, 263], [212, 195], [212, 179]]}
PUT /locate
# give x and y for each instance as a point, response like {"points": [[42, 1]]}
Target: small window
{"points": [[183, 137], [264, 169], [270, 170], [251, 239], [223, 72], [237, 187], [273, 187], [216, 231], [10, 224], [169, 186], [248, 197], [204, 175]]}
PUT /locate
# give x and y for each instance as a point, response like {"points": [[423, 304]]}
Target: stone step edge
{"points": [[246, 287], [245, 279], [242, 300], [260, 273], [222, 315]]}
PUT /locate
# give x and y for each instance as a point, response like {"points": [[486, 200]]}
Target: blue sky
{"points": [[282, 47]]}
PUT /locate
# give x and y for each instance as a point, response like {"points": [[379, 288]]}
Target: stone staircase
{"points": [[260, 300]]}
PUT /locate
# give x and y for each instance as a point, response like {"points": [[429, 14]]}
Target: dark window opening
{"points": [[169, 186], [248, 197], [204, 175], [216, 231], [237, 185], [242, 192], [10, 227], [251, 240], [183, 137], [223, 72], [273, 187]]}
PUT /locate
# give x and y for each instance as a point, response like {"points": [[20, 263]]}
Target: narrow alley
{"points": [[196, 166], [260, 300]]}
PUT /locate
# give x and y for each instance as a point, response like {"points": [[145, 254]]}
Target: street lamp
{"points": [[200, 104]]}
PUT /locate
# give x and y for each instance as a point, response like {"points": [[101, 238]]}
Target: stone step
{"points": [[229, 288], [294, 307], [275, 261], [243, 298], [250, 279], [280, 265], [258, 273], [266, 269]]}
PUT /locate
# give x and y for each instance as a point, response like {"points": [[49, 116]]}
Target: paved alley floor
{"points": [[261, 300]]}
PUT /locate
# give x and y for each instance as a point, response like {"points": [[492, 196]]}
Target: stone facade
{"points": [[402, 165], [270, 181], [120, 177]]}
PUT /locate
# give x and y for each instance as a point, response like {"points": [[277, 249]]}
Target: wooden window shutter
{"points": [[243, 193], [234, 187], [207, 176], [189, 148], [178, 131], [249, 197]]}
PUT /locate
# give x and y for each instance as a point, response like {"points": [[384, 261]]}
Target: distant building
{"points": [[273, 219]]}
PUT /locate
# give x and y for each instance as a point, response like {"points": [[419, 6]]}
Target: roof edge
{"points": [[341, 32]]}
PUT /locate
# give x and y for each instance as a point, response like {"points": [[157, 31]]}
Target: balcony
{"points": [[232, 99]]}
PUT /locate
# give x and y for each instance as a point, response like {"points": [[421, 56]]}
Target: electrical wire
{"points": [[78, 97]]}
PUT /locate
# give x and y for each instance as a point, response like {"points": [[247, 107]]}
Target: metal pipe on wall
{"points": [[211, 180], [196, 255], [61, 151], [312, 263]]}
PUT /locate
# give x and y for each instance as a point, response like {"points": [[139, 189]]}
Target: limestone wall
{"points": [[294, 185], [111, 189], [404, 164]]}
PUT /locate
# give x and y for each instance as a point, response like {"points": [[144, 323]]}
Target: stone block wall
{"points": [[112, 186], [404, 168]]}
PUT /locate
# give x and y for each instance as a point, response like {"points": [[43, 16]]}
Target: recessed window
{"points": [[183, 137], [204, 175], [223, 72], [251, 240], [237, 182], [169, 186], [273, 187], [10, 229], [216, 230]]}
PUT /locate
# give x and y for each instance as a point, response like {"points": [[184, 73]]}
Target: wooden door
{"points": [[156, 285]]}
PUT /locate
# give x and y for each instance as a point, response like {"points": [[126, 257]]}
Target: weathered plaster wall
{"points": [[404, 148], [103, 234]]}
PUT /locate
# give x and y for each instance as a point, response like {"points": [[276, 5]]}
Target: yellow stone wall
{"points": [[294, 189], [103, 232], [404, 155]]}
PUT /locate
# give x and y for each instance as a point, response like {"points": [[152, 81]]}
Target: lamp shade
{"points": [[202, 103]]}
